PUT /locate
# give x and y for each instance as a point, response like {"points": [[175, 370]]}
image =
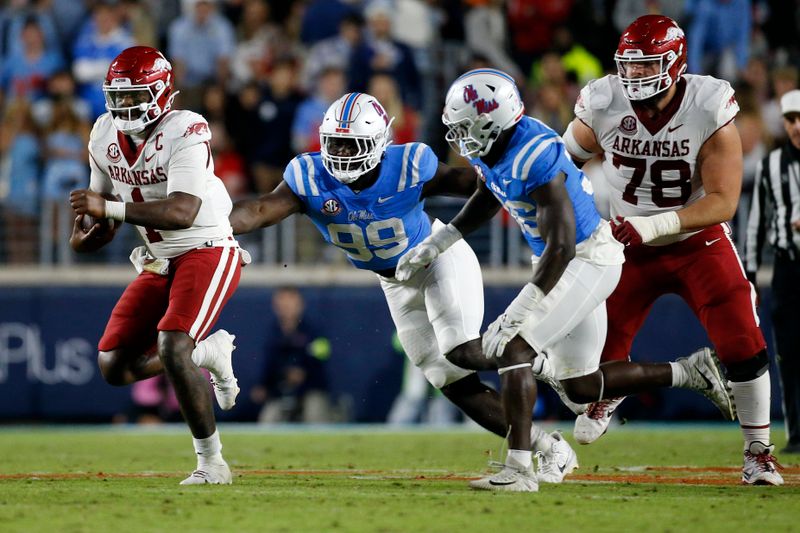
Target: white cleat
{"points": [[226, 386], [760, 466], [706, 377], [556, 463], [592, 424], [216, 474], [513, 478]]}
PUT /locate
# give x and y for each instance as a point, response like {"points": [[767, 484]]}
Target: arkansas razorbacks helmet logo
{"points": [[198, 127], [113, 154]]}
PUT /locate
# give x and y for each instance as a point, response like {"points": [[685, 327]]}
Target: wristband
{"points": [[666, 224], [524, 304], [115, 210], [445, 237]]}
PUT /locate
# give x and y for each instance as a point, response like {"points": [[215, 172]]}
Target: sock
{"points": [[752, 404], [680, 376], [201, 353], [209, 449], [541, 441], [522, 457]]}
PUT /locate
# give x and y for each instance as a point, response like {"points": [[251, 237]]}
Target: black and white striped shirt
{"points": [[776, 203]]}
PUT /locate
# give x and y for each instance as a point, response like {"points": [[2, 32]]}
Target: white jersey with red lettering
{"points": [[651, 163], [175, 157]]}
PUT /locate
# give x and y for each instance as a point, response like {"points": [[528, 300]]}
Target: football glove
{"points": [[632, 231], [426, 252]]}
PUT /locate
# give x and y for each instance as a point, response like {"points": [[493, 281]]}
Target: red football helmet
{"points": [[138, 88], [651, 42]]}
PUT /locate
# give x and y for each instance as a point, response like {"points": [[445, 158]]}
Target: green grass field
{"points": [[636, 478]]}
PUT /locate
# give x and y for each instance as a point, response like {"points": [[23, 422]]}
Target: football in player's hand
{"points": [[88, 221]]}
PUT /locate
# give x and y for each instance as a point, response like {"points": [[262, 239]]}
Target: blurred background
{"points": [[315, 340]]}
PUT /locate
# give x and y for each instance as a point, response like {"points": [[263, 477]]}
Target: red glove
{"points": [[625, 232]]}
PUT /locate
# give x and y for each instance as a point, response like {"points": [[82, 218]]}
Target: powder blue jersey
{"points": [[376, 226], [535, 155]]}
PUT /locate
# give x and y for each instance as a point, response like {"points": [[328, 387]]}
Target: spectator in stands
{"points": [[321, 19], [486, 34], [305, 127], [784, 79], [101, 39], [381, 53], [273, 121], [531, 23], [259, 43], [551, 106], [19, 182], [228, 164], [334, 51], [17, 15], [201, 43], [24, 72], [60, 89], [718, 37], [775, 218], [294, 386], [66, 165], [140, 22], [406, 121], [626, 11]]}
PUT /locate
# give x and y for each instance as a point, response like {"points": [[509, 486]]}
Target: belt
{"points": [[388, 273]]}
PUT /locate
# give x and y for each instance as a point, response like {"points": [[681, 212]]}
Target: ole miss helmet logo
{"points": [[331, 207], [113, 154]]}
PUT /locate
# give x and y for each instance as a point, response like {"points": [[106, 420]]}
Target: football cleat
{"points": [[593, 424], [220, 365], [210, 474], [706, 377], [760, 466], [559, 461], [513, 477]]}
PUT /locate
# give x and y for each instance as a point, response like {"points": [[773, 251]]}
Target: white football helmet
{"points": [[479, 106], [354, 134]]}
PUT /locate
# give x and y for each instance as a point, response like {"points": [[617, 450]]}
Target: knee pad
{"points": [[423, 351], [749, 369]]}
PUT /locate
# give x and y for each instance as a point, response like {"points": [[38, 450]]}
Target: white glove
{"points": [[426, 252], [509, 323]]}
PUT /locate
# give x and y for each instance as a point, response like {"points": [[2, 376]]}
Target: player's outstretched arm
{"points": [[479, 208], [175, 212], [266, 210], [451, 181]]}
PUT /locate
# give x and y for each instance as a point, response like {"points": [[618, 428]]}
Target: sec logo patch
{"points": [[331, 207], [113, 154]]}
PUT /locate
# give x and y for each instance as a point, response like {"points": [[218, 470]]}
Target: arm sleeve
{"points": [[188, 168], [728, 106]]}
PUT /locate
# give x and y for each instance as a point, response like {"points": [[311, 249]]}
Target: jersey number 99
{"points": [[362, 242]]}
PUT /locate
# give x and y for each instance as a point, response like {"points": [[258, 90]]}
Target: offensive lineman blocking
{"points": [[673, 160]]}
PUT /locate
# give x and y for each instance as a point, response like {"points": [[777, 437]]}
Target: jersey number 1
{"points": [[152, 235], [639, 166]]}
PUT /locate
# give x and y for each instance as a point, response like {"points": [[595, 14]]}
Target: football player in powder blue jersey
{"points": [[366, 197], [557, 324]]}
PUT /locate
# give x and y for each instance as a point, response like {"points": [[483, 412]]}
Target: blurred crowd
{"points": [[264, 71]]}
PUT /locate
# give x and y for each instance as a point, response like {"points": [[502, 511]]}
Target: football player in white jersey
{"points": [[151, 166], [673, 160]]}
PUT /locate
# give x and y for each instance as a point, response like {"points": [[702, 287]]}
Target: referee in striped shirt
{"points": [[775, 217]]}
